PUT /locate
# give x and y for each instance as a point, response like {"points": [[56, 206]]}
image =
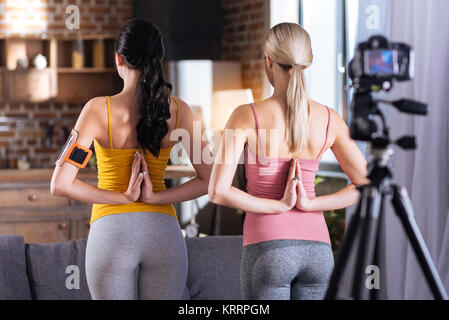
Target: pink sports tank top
{"points": [[268, 179]]}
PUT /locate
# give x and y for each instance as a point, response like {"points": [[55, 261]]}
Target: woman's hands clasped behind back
{"points": [[295, 195], [146, 195], [140, 186], [135, 181], [290, 194]]}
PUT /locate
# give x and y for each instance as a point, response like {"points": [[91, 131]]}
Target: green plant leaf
{"points": [[319, 180]]}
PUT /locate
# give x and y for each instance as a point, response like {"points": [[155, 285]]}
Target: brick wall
{"points": [[245, 26], [23, 131], [26, 17], [24, 127]]}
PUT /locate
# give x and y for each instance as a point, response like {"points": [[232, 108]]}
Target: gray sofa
{"points": [[39, 271]]}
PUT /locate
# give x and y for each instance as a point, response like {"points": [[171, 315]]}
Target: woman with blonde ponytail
{"points": [[286, 246]]}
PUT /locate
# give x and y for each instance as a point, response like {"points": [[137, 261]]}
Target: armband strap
{"points": [[73, 153]]}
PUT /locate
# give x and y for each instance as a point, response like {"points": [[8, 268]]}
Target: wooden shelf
{"points": [[35, 175], [25, 70], [61, 37], [23, 178], [31, 85], [59, 81], [101, 36], [25, 37], [87, 70]]}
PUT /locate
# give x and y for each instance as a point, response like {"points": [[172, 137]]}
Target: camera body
{"points": [[378, 62]]}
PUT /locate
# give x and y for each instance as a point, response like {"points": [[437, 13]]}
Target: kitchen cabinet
{"points": [[27, 208]]}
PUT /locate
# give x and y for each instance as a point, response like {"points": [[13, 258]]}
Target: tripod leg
{"points": [[366, 246], [404, 210], [374, 293], [343, 255]]}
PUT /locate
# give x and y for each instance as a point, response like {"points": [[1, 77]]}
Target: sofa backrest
{"points": [[58, 271], [14, 283], [214, 268], [52, 271]]}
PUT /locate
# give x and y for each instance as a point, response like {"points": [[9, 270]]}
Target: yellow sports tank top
{"points": [[114, 170]]}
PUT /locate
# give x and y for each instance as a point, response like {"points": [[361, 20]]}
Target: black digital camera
{"points": [[378, 62]]}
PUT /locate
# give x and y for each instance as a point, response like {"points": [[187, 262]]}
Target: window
{"points": [[323, 20], [284, 11]]}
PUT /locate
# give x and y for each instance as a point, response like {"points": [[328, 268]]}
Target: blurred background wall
{"points": [[229, 30], [24, 125]]}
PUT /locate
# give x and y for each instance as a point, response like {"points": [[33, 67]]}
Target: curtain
{"points": [[424, 172]]}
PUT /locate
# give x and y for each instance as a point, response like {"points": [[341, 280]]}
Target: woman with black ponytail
{"points": [[135, 248]]}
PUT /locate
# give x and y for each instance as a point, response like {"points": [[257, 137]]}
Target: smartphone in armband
{"points": [[73, 153]]}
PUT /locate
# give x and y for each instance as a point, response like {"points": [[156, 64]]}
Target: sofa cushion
{"points": [[54, 270], [13, 277], [186, 294], [214, 268]]}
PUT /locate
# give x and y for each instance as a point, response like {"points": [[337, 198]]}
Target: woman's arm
{"points": [[64, 182], [193, 188], [353, 164], [221, 190]]}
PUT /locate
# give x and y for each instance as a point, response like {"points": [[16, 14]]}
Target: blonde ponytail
{"points": [[297, 112], [289, 45]]}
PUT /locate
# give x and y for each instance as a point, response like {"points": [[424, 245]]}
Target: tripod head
{"points": [[364, 127]]}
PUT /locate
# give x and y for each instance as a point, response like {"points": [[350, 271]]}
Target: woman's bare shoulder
{"points": [[242, 117], [315, 106], [95, 108], [242, 110], [323, 111]]}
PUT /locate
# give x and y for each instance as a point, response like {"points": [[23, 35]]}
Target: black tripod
{"points": [[367, 220]]}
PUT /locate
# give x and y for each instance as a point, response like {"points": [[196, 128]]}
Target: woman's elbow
{"points": [[212, 193], [361, 180], [360, 177], [57, 188], [215, 194]]}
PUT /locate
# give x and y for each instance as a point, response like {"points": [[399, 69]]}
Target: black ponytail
{"points": [[140, 44]]}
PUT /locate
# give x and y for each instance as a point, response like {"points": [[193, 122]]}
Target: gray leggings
{"points": [[136, 255], [286, 269]]}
